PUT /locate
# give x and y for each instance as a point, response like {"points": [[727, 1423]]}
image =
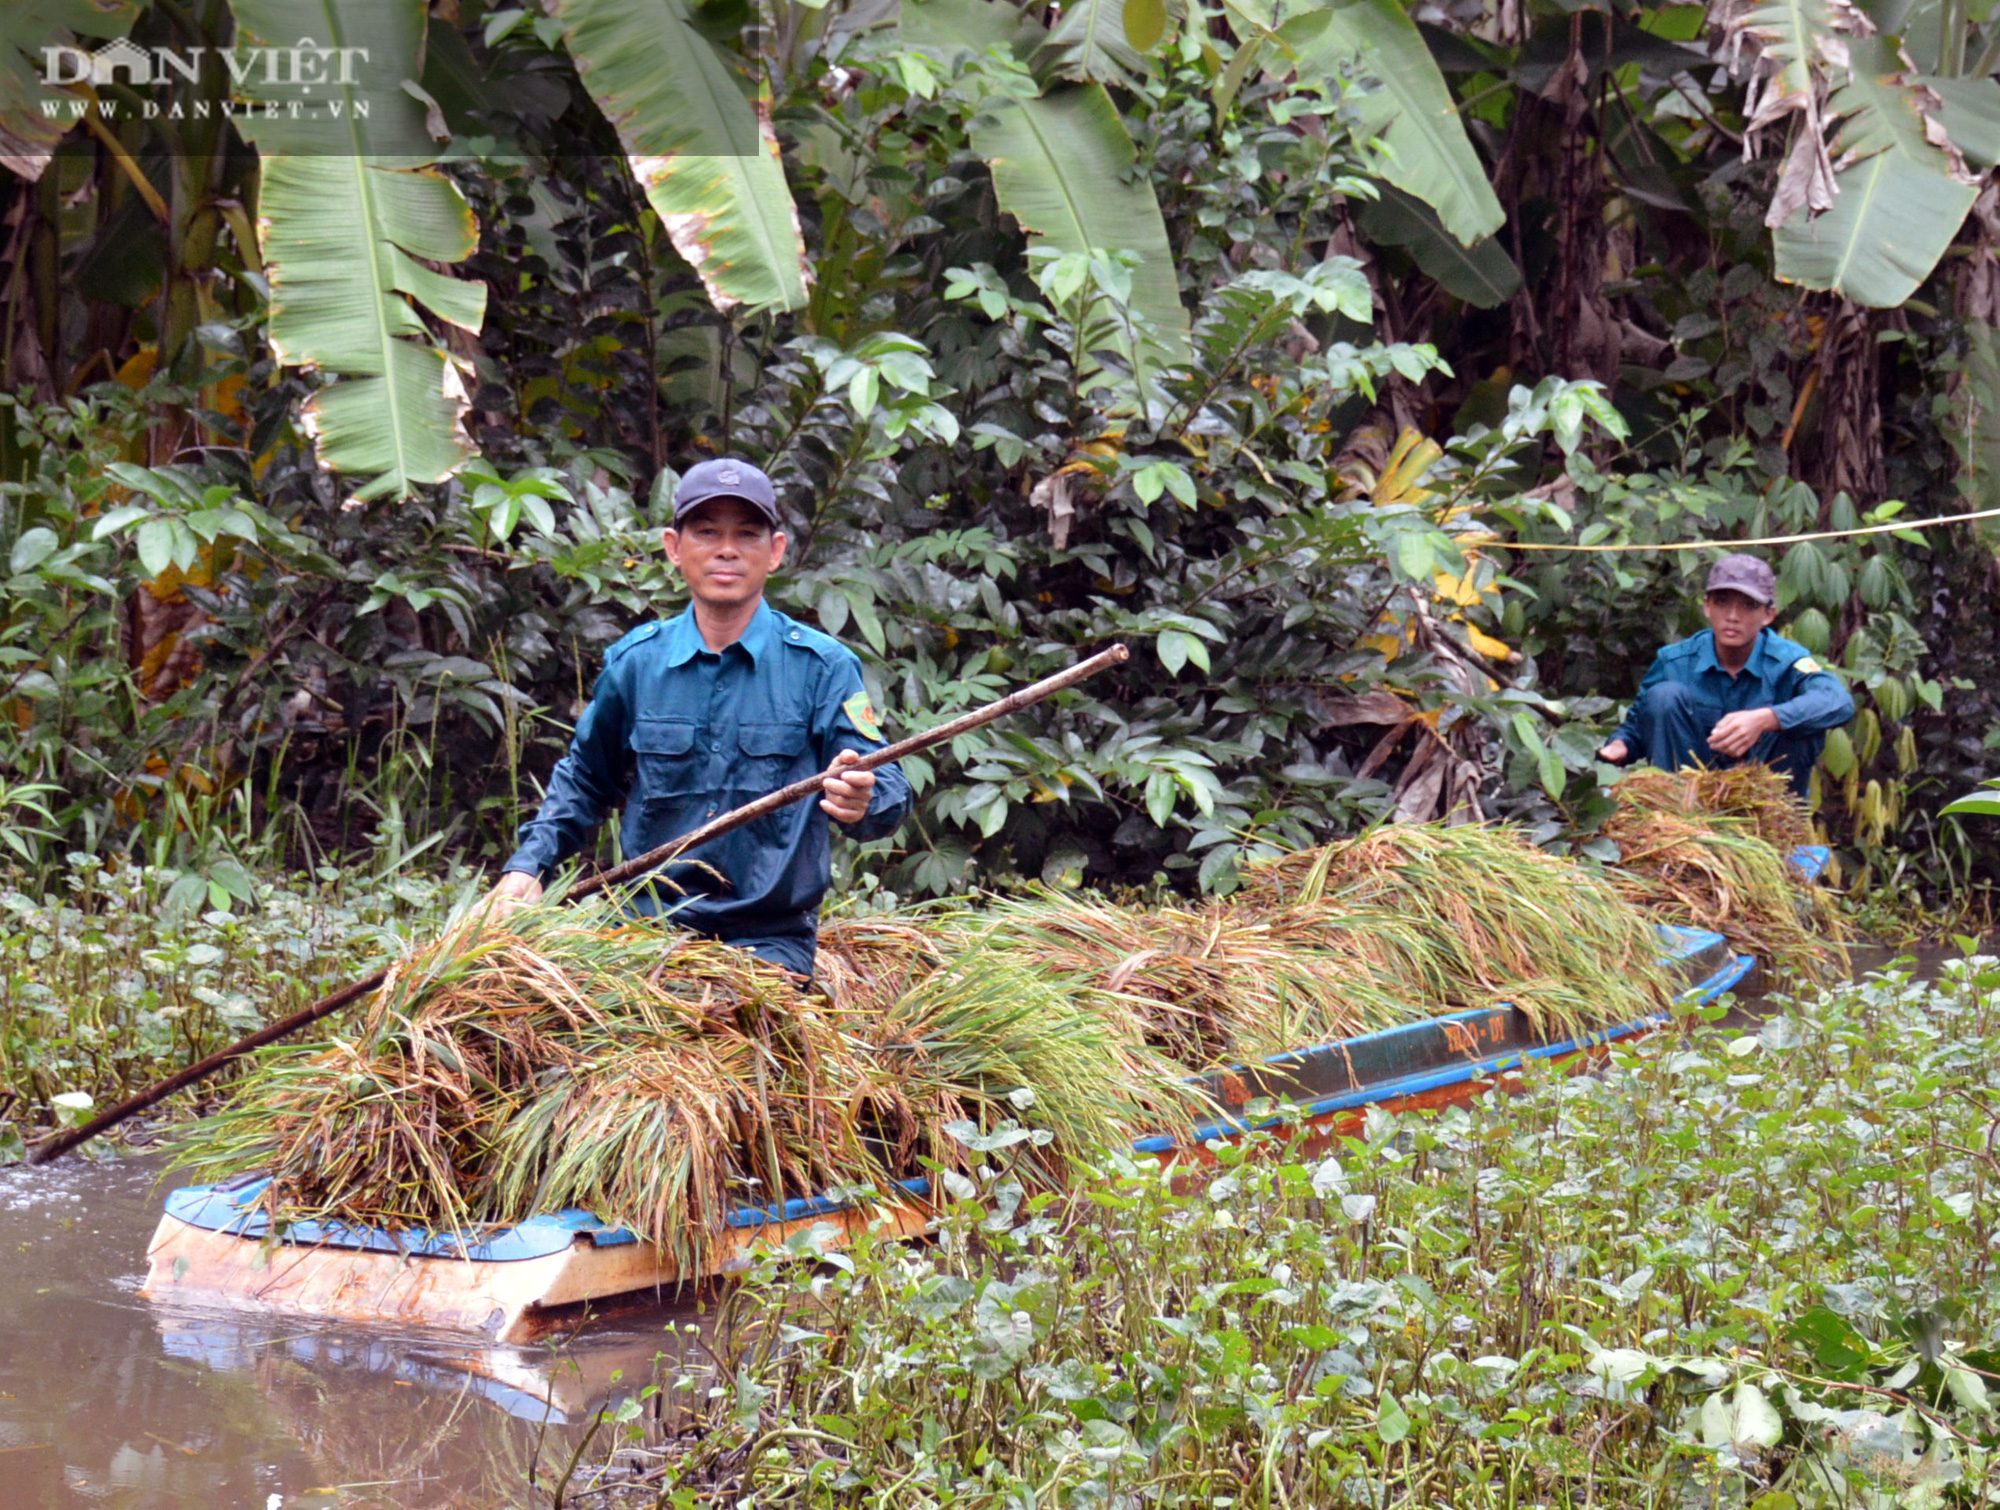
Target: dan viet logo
{"points": [[300, 69]]}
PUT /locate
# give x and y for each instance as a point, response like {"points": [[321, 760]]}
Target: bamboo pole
{"points": [[55, 1145]]}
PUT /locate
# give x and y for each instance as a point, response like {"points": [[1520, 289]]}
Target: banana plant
{"points": [[28, 136], [1060, 156], [1405, 107], [705, 156], [352, 223], [359, 227], [1891, 130]]}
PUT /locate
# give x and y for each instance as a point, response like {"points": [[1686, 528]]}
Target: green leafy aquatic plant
{"points": [[1738, 1267], [104, 989]]}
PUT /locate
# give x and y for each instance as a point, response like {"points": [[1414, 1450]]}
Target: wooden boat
{"points": [[214, 1245]]}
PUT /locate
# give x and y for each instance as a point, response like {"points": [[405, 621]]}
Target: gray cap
{"points": [[726, 477], [1747, 575]]}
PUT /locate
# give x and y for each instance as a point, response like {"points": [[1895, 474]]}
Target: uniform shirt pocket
{"points": [[666, 758], [770, 752]]}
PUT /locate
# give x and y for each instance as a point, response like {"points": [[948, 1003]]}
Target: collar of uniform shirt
{"points": [[1759, 652], [684, 641]]}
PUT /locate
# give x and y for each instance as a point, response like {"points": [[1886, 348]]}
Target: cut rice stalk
{"points": [[577, 1058], [660, 1081], [1713, 849]]}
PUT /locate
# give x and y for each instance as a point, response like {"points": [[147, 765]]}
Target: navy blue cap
{"points": [[726, 477]]}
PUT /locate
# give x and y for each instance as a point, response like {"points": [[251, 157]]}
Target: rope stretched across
{"points": [[1706, 545]]}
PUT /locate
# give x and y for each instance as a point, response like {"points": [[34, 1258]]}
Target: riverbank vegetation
{"points": [[1294, 410], [109, 980], [1744, 1265]]}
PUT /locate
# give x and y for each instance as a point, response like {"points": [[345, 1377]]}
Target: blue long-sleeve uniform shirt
{"points": [[1780, 675], [679, 734]]}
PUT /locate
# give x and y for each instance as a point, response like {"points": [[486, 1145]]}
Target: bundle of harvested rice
{"points": [[867, 962], [577, 1058], [1754, 794], [1399, 925], [1713, 848], [660, 1081], [1208, 984], [1483, 916]]}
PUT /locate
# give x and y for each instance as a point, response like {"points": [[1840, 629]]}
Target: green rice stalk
{"points": [[1489, 918]]}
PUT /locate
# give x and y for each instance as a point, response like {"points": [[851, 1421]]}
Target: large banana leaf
{"points": [[1061, 163], [1900, 200], [1426, 151], [1062, 167], [706, 157], [28, 134], [1481, 274], [1784, 37], [1089, 43], [1970, 110], [950, 29], [350, 216]]}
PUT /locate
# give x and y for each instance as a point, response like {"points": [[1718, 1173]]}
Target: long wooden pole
{"points": [[55, 1145]]}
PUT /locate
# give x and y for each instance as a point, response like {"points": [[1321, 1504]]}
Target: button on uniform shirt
{"points": [[677, 734], [1780, 675]]}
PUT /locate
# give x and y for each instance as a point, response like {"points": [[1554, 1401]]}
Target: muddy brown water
{"points": [[109, 1401]]}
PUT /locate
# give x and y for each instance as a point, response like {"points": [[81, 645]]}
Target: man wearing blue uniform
{"points": [[1735, 691], [698, 714]]}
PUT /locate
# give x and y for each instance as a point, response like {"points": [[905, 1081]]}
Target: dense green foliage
{"points": [[1741, 1262], [108, 981], [1004, 432]]}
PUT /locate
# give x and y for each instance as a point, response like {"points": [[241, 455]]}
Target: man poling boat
{"points": [[696, 715], [58, 1143]]}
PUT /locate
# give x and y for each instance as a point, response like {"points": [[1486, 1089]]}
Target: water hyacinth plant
{"points": [[1738, 1267], [104, 989]]}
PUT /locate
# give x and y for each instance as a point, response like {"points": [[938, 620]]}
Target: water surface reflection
{"points": [[108, 1401]]}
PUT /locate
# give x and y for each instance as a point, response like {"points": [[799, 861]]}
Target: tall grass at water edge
{"points": [[1748, 1268]]}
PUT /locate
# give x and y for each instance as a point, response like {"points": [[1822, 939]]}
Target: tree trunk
{"points": [[1844, 453]]}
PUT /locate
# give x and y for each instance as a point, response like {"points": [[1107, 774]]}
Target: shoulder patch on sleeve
{"points": [[861, 713], [817, 641], [1805, 665]]}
